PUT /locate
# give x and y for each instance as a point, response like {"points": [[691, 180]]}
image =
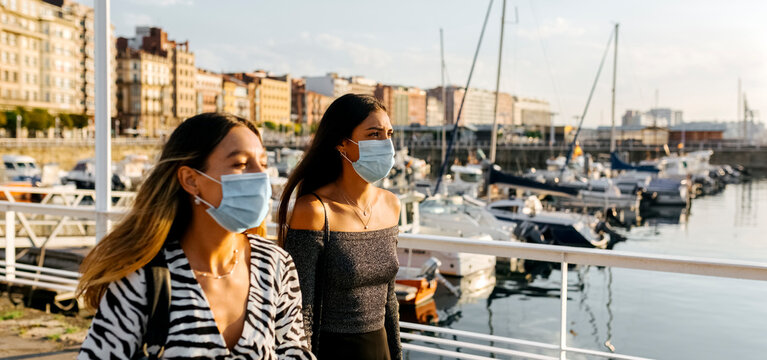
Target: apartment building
{"points": [[235, 97], [361, 85], [47, 56], [329, 85], [533, 114], [209, 89], [272, 100], [405, 105], [270, 96], [307, 107], [144, 91], [183, 74], [479, 106]]}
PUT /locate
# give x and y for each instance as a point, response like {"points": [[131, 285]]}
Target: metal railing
{"points": [[279, 140], [86, 142], [64, 281], [40, 228]]}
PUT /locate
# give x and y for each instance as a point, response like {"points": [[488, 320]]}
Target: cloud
{"points": [[559, 27]]}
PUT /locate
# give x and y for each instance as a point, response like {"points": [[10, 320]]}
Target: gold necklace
{"points": [[216, 277], [364, 212]]}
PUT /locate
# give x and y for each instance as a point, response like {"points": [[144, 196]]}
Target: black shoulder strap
{"points": [[327, 227], [318, 283], [158, 300]]}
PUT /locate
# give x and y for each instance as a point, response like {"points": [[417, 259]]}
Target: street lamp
{"points": [[18, 126]]}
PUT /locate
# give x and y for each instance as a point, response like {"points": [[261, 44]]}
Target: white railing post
{"points": [[103, 119], [563, 314], [10, 245]]}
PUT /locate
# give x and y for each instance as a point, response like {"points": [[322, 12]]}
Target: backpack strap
{"points": [[158, 305], [318, 283]]}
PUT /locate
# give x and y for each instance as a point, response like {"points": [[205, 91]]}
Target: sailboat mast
{"points": [[444, 92], [615, 71], [494, 132]]}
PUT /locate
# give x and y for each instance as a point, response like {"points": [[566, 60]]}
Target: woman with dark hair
{"points": [[343, 231], [231, 295]]}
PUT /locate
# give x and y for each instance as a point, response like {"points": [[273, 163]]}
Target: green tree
{"points": [[38, 120], [10, 120], [297, 129], [314, 127], [533, 134], [65, 121], [270, 125], [79, 121], [3, 120]]}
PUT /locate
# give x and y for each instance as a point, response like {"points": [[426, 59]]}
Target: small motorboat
{"points": [[415, 286], [414, 291]]}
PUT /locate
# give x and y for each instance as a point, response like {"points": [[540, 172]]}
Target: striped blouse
{"points": [[273, 326]]}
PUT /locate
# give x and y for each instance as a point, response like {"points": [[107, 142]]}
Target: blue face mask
{"points": [[244, 202], [376, 159]]}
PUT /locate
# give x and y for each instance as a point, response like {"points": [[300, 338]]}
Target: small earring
{"points": [[196, 200]]}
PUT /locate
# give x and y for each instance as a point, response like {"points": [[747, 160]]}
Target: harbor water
{"points": [[642, 313]]}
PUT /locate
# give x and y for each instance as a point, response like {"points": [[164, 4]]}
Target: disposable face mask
{"points": [[244, 202], [376, 159]]}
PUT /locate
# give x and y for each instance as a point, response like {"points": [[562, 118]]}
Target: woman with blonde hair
{"points": [[343, 232], [226, 294]]}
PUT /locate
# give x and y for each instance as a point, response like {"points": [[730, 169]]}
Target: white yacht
{"points": [[557, 228], [450, 221]]}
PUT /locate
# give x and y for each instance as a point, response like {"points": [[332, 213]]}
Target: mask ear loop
{"points": [[197, 198], [207, 176], [347, 159], [344, 155]]}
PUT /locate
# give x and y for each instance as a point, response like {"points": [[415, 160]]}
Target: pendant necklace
{"points": [[216, 277], [364, 212]]}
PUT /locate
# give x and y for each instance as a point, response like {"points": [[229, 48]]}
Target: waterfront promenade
{"points": [[512, 157]]}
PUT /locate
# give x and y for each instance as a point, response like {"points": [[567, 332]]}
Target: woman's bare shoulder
{"points": [[308, 214], [390, 198], [391, 201]]}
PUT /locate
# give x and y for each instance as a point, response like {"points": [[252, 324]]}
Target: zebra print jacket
{"points": [[273, 326]]}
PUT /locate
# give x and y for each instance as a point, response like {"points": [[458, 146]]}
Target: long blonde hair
{"points": [[162, 208]]}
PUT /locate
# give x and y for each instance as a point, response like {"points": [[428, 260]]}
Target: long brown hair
{"points": [[321, 164], [162, 209]]}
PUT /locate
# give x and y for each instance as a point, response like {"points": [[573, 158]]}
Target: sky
{"points": [[686, 55]]}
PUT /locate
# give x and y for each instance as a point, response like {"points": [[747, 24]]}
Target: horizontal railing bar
{"points": [[39, 284], [86, 212], [552, 253], [619, 259], [71, 274], [58, 191], [420, 327], [604, 354], [441, 352], [59, 242], [480, 347], [34, 276], [38, 222]]}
